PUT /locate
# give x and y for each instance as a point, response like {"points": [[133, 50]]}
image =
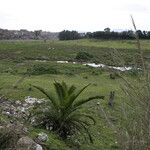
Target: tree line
{"points": [[71, 35], [106, 34], [25, 34]]}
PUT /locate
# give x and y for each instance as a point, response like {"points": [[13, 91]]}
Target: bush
{"points": [[42, 69], [84, 56], [62, 112], [69, 35], [134, 72]]}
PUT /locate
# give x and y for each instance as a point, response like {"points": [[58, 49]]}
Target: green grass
{"points": [[18, 58], [67, 50], [100, 85], [118, 44]]}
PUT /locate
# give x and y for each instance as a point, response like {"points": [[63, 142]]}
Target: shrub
{"points": [[84, 56], [134, 72], [69, 35], [61, 113], [97, 72], [42, 69]]}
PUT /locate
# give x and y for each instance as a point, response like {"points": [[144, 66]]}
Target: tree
{"points": [[69, 35], [37, 33], [140, 34], [62, 111], [107, 30]]}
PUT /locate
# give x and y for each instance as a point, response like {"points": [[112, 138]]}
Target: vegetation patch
{"points": [[83, 56]]}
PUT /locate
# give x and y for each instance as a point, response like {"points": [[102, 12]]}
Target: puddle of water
{"points": [[111, 67], [121, 68], [41, 60], [95, 65], [101, 65], [62, 62]]}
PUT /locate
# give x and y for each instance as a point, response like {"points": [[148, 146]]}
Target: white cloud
{"points": [[82, 15]]}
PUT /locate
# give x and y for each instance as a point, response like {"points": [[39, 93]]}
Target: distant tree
{"points": [[148, 34], [69, 35], [89, 35], [107, 30], [126, 35], [140, 34], [37, 33], [145, 34], [107, 34]]}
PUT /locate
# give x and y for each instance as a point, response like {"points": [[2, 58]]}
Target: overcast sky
{"points": [[81, 15]]}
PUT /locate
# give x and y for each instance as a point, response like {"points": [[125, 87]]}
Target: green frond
{"points": [[53, 100], [81, 102], [64, 112], [60, 91], [71, 90], [83, 126], [88, 133], [90, 118], [80, 91], [73, 97], [81, 116]]}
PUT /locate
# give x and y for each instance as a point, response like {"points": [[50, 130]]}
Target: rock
{"points": [[42, 137], [26, 143], [1, 127], [30, 100], [18, 102], [98, 103], [39, 147], [25, 130], [18, 109]]}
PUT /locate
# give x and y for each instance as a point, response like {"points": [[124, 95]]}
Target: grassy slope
{"points": [[101, 85], [67, 50], [13, 64]]}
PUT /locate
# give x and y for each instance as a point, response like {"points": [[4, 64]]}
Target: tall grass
{"points": [[133, 130]]}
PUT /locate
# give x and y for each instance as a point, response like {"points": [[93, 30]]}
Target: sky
{"points": [[80, 15]]}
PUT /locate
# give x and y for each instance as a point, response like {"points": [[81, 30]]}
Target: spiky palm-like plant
{"points": [[61, 113]]}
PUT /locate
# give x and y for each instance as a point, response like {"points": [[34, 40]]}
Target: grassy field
{"points": [[18, 60], [19, 51]]}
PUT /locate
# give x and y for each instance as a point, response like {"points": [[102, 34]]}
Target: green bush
{"points": [[62, 113], [84, 56], [42, 69]]}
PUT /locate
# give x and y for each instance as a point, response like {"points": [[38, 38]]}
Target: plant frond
{"points": [[75, 96], [82, 125], [55, 104], [61, 91], [80, 116], [71, 90], [81, 102]]}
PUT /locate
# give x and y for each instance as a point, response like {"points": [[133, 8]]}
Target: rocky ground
{"points": [[13, 132]]}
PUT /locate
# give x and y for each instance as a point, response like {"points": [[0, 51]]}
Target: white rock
{"points": [[32, 100], [38, 147], [18, 102], [62, 62], [26, 143], [42, 137], [98, 103]]}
